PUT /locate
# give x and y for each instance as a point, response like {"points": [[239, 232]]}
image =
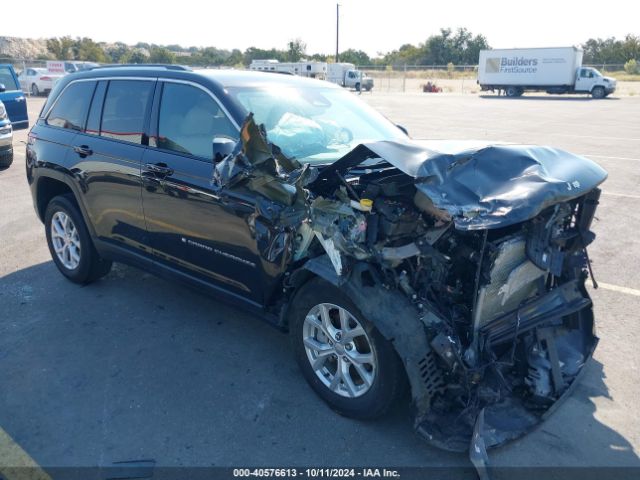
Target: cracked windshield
{"points": [[315, 125]]}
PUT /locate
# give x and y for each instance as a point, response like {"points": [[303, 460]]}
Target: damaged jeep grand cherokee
{"points": [[457, 268]]}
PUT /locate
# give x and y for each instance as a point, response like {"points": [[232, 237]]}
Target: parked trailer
{"points": [[344, 74], [551, 70], [302, 69]]}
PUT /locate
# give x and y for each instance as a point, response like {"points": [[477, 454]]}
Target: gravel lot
{"points": [[135, 367]]}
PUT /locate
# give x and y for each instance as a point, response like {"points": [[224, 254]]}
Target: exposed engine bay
{"points": [[472, 263]]}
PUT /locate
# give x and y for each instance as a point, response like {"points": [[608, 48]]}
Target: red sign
{"points": [[55, 67]]}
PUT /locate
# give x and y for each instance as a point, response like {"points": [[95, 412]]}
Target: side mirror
{"points": [[222, 146], [2, 87], [406, 132]]}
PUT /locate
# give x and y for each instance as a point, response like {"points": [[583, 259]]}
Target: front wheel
{"points": [[598, 92], [70, 244], [343, 357]]}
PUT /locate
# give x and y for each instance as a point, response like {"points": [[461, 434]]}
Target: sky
{"points": [[369, 25]]}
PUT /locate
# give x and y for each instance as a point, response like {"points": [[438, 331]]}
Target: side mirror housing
{"points": [[222, 146]]}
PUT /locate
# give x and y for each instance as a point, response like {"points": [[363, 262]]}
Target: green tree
{"points": [[235, 58], [254, 53], [134, 56], [86, 49], [296, 49], [117, 52], [357, 57], [161, 55], [632, 67], [61, 48]]}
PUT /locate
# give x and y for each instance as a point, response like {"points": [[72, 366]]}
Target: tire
{"points": [[35, 91], [512, 92], [358, 87], [598, 92], [6, 159], [386, 376], [85, 265]]}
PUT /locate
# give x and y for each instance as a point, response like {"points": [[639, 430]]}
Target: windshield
{"points": [[315, 125]]}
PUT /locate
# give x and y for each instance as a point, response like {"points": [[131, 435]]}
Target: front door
{"points": [[13, 98], [585, 80], [191, 226]]}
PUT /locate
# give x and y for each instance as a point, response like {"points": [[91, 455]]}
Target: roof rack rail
{"points": [[143, 65]]}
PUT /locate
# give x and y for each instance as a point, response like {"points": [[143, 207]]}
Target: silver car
{"points": [[6, 139]]}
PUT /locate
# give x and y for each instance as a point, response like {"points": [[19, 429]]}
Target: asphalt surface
{"points": [[134, 367]]}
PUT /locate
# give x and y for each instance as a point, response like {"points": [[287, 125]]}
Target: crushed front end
{"points": [[471, 260]]}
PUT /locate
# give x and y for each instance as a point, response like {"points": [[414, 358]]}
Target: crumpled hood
{"points": [[483, 185]]}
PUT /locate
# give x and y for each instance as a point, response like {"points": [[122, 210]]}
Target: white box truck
{"points": [[346, 75], [552, 70]]}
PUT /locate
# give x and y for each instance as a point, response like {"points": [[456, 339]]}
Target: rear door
{"points": [[108, 155], [192, 227], [13, 98]]}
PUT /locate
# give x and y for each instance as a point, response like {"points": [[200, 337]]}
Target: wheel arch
{"points": [[393, 314], [49, 186]]}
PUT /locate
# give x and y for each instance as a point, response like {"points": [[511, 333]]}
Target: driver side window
{"points": [[189, 119]]}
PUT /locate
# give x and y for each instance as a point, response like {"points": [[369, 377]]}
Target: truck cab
{"points": [[346, 75], [590, 80]]}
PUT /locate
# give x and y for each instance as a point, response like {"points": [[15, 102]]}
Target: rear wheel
{"points": [[598, 92], [513, 92], [35, 91], [70, 244], [343, 357]]}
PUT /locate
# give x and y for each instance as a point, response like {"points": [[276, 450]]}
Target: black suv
{"points": [[455, 268]]}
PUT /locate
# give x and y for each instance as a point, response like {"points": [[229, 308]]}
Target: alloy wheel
{"points": [[339, 350], [65, 240]]}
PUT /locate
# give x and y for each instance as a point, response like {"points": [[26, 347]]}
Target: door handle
{"points": [[19, 99], [83, 150], [160, 169]]}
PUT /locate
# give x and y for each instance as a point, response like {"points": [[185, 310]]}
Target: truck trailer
{"points": [[551, 70], [344, 74]]}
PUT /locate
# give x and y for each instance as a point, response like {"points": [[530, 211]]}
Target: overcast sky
{"points": [[369, 25]]}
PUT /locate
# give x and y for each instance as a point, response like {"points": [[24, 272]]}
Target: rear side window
{"points": [[7, 79], [189, 120], [70, 110], [125, 108]]}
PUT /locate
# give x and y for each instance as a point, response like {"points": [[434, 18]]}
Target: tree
{"points": [[60, 48], [117, 52], [357, 57], [234, 59], [134, 56], [86, 49], [161, 55], [254, 53], [296, 49]]}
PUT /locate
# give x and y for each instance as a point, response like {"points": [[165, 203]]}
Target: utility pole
{"points": [[337, 29]]}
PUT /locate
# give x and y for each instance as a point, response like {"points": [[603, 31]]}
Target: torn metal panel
{"points": [[490, 186], [490, 318]]}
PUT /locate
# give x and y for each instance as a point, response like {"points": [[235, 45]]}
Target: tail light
{"points": [[45, 79]]}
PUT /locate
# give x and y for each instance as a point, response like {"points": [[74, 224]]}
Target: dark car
{"points": [[457, 268], [13, 97]]}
